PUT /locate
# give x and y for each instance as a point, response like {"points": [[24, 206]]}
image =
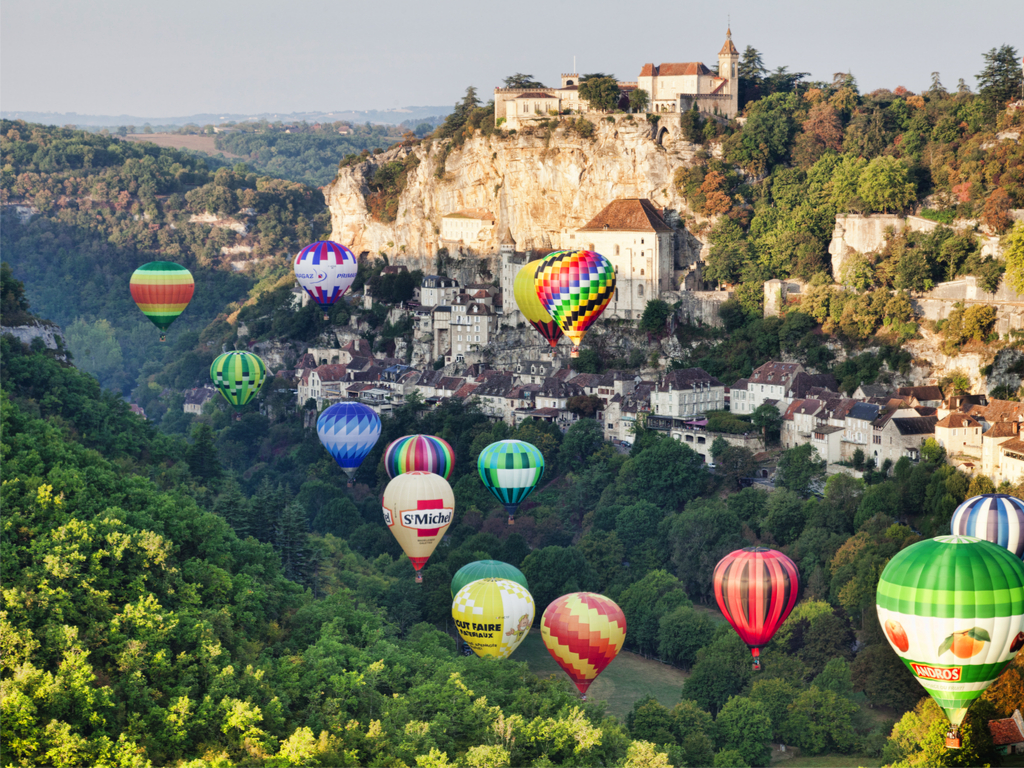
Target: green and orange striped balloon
{"points": [[162, 290]]}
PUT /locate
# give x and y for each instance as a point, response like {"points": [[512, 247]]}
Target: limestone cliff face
{"points": [[541, 183]]}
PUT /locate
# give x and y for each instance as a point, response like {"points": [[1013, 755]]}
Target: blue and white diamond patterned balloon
{"points": [[348, 432]]}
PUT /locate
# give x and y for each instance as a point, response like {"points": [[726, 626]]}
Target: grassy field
{"points": [[624, 681], [181, 141], [786, 760]]}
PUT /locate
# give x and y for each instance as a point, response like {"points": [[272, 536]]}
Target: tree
{"points": [[600, 91], [519, 80], [638, 100], [13, 304], [582, 440], [644, 603], [721, 672], [585, 406], [767, 418], [729, 252], [637, 523], [744, 725], [656, 314], [800, 469], [885, 185], [996, 213], [785, 519], [669, 474], [682, 633], [820, 721], [775, 695], [999, 82], [884, 678], [556, 571], [733, 465], [202, 455], [767, 134], [751, 71]]}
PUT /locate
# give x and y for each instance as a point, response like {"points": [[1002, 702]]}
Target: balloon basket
{"points": [[419, 577], [350, 484], [756, 666], [163, 337], [574, 352], [952, 742], [511, 520]]}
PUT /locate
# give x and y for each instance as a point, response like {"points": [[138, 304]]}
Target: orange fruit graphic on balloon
{"points": [[897, 634], [966, 644]]}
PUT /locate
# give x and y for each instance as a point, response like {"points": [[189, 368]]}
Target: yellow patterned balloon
{"points": [[493, 616]]}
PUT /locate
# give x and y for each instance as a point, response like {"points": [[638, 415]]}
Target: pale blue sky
{"points": [[178, 57]]}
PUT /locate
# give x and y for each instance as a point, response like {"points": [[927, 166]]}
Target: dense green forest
{"points": [[105, 207], [308, 156], [229, 600]]}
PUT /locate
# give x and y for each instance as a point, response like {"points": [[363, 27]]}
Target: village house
{"points": [[687, 393], [771, 381], [634, 237], [466, 227], [196, 398], [436, 290], [858, 431], [959, 434], [1008, 734]]}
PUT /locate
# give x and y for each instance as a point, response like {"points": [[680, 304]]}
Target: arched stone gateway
{"points": [[663, 133]]}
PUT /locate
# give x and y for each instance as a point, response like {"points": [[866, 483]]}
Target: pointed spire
{"points": [[728, 49]]}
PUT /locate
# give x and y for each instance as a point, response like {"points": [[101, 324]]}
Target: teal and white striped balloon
{"points": [[952, 608], [510, 469]]}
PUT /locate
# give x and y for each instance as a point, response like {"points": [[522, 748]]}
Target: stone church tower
{"points": [[728, 67]]}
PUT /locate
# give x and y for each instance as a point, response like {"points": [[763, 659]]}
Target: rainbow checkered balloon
{"points": [[574, 287], [583, 632]]}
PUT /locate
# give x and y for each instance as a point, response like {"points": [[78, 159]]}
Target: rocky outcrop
{"points": [[541, 183], [51, 335]]}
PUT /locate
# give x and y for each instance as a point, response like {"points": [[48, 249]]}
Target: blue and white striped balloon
{"points": [[994, 517], [348, 432]]}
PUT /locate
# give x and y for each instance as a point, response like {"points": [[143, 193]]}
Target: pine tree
{"points": [[268, 504], [292, 542], [1000, 81], [201, 456], [234, 508]]}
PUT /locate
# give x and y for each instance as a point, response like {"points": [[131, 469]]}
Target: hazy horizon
{"points": [[114, 57]]}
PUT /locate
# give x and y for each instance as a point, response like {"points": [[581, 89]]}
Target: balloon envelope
{"points": [[510, 470], [325, 270], [239, 376], [162, 290], [525, 291], [574, 287], [493, 616], [486, 569], [952, 608], [419, 453], [583, 632], [418, 508], [756, 588], [348, 431], [993, 517]]}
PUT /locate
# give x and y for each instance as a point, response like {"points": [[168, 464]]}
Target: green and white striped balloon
{"points": [[952, 608], [238, 376], [510, 469]]}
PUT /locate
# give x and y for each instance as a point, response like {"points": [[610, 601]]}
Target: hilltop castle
{"points": [[671, 87]]}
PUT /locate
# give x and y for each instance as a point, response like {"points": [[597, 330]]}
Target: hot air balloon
{"points": [[574, 287], [486, 569], [325, 270], [584, 632], [349, 432], [993, 517], [422, 453], [418, 508], [952, 608], [756, 588], [238, 376], [510, 469], [525, 290], [162, 290], [493, 616]]}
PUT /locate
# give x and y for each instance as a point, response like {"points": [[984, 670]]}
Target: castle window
{"points": [[641, 270], [616, 250], [640, 291], [616, 294]]}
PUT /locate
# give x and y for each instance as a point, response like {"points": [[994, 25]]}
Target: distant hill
{"points": [[395, 116]]}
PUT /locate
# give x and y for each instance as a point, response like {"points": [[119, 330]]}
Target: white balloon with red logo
{"points": [[418, 508]]}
